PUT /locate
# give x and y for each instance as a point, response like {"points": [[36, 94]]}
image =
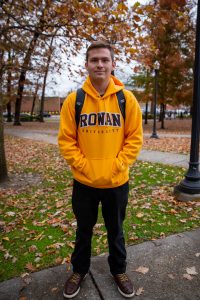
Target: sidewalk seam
{"points": [[96, 286]]}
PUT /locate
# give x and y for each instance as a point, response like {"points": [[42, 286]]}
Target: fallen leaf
{"points": [[58, 260], [30, 267], [37, 259], [139, 291], [55, 246], [74, 223], [60, 204], [187, 276], [24, 274], [7, 255], [171, 276], [183, 221], [162, 235], [70, 244], [10, 213], [139, 215], [142, 270], [197, 254], [27, 280], [32, 248], [191, 271], [14, 260], [54, 289], [39, 236]]}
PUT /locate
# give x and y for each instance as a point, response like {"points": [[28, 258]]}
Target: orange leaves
{"points": [[136, 18], [168, 144], [30, 267], [142, 270], [140, 215], [121, 7], [55, 246]]}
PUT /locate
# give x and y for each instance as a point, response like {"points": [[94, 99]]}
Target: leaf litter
{"points": [[40, 219]]}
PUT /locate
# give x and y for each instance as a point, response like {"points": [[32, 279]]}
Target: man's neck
{"points": [[100, 86]]}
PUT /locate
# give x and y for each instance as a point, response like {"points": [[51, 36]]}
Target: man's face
{"points": [[99, 64]]}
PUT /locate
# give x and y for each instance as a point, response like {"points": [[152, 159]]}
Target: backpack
{"points": [[80, 97]]}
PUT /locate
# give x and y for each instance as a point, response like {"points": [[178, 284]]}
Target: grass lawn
{"points": [[37, 226]]}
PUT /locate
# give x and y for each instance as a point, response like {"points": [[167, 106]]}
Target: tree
{"points": [[169, 39], [26, 23], [142, 88]]}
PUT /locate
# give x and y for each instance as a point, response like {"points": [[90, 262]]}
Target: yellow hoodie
{"points": [[101, 149]]}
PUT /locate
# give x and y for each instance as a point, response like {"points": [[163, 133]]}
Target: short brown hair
{"points": [[100, 44]]}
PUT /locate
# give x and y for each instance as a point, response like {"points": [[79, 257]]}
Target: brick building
{"points": [[51, 104]]}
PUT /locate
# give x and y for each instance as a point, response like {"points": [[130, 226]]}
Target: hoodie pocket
{"points": [[100, 171], [104, 172]]}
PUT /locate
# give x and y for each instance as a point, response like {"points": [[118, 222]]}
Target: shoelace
{"points": [[75, 278], [122, 277]]}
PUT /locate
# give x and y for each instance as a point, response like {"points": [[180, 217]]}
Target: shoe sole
{"points": [[126, 295], [74, 294], [123, 294]]}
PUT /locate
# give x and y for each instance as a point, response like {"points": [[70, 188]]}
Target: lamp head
{"points": [[156, 65]]}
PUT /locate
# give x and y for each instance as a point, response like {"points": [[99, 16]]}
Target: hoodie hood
{"points": [[114, 86]]}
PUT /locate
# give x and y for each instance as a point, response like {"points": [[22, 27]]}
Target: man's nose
{"points": [[100, 64]]}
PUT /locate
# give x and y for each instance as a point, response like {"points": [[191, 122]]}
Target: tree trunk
{"points": [[152, 107], [9, 116], [146, 113], [41, 119], [34, 97], [3, 166], [26, 64], [23, 77], [162, 116], [9, 112]]}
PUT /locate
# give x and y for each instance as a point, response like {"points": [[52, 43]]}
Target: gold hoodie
{"points": [[101, 149]]}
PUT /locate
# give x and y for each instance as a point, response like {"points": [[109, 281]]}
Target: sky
{"points": [[64, 83]]}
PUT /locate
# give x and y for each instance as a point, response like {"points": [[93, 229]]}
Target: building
{"points": [[51, 105]]}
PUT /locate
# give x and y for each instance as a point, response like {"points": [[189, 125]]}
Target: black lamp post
{"points": [[156, 69], [189, 188]]}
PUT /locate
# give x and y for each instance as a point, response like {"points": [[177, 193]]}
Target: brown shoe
{"points": [[125, 285], [72, 285]]}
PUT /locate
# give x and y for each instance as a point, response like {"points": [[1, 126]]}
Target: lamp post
{"points": [[156, 69], [189, 188]]}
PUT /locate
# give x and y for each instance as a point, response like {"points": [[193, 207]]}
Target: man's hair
{"points": [[98, 45]]}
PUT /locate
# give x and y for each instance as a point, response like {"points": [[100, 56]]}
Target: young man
{"points": [[99, 151]]}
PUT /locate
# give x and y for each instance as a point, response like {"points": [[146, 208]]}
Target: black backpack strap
{"points": [[80, 97], [122, 103]]}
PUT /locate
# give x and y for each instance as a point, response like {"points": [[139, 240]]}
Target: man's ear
{"points": [[113, 65]]}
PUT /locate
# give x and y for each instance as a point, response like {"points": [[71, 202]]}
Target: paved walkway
{"points": [[167, 263], [50, 136], [162, 269]]}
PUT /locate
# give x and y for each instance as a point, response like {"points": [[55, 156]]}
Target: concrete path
{"points": [[50, 136], [159, 269]]}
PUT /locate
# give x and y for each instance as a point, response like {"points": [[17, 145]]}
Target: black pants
{"points": [[85, 202]]}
